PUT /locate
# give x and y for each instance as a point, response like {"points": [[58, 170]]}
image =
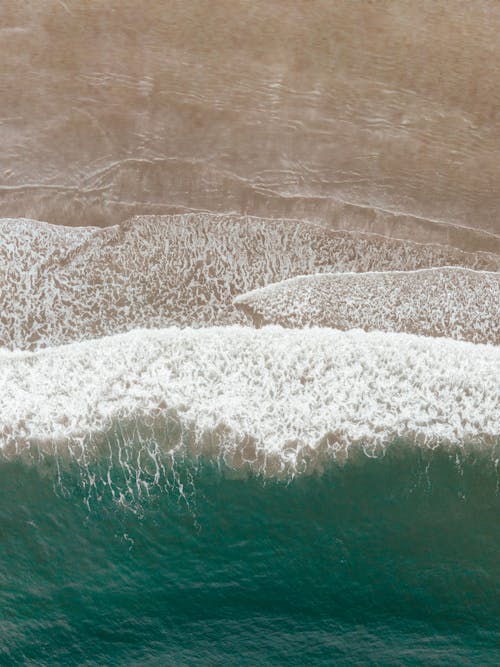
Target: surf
{"points": [[64, 284], [451, 301], [272, 398]]}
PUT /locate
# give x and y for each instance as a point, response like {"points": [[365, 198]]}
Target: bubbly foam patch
{"points": [[278, 400], [27, 246], [66, 284], [459, 303]]}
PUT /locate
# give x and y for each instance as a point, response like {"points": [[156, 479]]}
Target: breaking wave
{"points": [[96, 381], [276, 401]]}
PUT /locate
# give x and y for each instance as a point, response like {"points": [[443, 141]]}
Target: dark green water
{"points": [[391, 561]]}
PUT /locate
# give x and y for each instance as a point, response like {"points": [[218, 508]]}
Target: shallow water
{"points": [[379, 116], [63, 284], [453, 302]]}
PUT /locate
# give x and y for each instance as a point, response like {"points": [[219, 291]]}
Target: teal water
{"points": [[387, 561]]}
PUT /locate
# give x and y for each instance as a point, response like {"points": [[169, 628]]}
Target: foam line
{"points": [[453, 302], [62, 284], [276, 399]]}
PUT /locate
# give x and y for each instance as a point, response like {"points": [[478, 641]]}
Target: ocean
{"points": [[249, 333], [391, 560]]}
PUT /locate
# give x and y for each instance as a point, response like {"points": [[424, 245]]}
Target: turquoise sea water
{"points": [[381, 561]]}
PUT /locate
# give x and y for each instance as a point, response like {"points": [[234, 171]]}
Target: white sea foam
{"points": [[28, 246], [454, 302], [280, 400], [61, 284]]}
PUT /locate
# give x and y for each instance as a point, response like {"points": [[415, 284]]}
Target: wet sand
{"points": [[377, 116]]}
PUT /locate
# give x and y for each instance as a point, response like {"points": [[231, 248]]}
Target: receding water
{"points": [[371, 115]]}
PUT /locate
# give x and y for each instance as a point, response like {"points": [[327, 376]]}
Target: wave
{"points": [[453, 302], [63, 284], [279, 401]]}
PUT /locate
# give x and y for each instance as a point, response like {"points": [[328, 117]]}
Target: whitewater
{"points": [[62, 284], [149, 328], [278, 400], [449, 301]]}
